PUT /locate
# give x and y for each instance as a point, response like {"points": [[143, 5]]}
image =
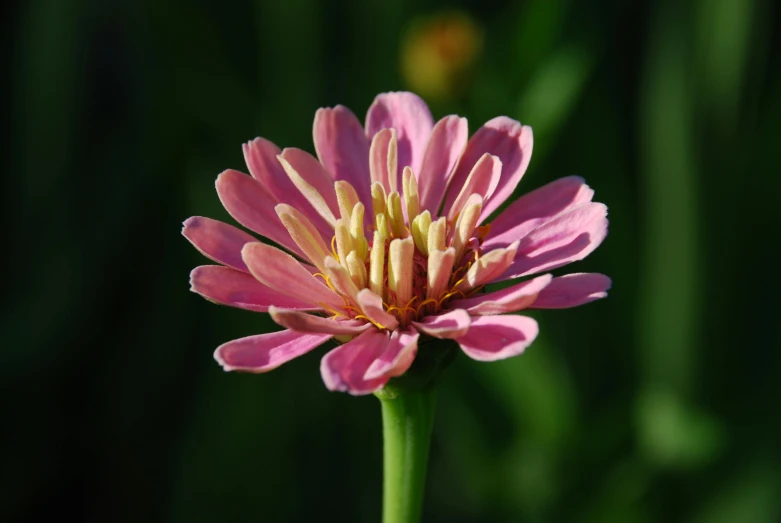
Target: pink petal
{"points": [[217, 240], [405, 358], [536, 208], [482, 181], [342, 148], [302, 322], [410, 117], [232, 287], [261, 158], [265, 352], [340, 279], [252, 206], [315, 175], [282, 272], [381, 154], [450, 325], [444, 147], [397, 357], [304, 234], [572, 290], [569, 237], [493, 338], [511, 299], [371, 306], [344, 368], [440, 267], [502, 137], [489, 267]]}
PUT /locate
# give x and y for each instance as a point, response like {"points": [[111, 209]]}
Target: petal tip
{"points": [[281, 208], [248, 247], [193, 276], [221, 361], [330, 378], [190, 222]]}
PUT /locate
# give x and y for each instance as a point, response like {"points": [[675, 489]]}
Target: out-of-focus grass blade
{"points": [[669, 286], [538, 28], [300, 54], [620, 498], [724, 37], [537, 393], [750, 495], [43, 292], [50, 49], [552, 92]]}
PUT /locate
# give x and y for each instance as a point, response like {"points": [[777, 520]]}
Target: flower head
{"points": [[383, 242]]}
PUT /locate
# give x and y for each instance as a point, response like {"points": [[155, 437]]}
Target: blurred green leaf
{"points": [[552, 92], [669, 305], [724, 34], [749, 495], [676, 435]]}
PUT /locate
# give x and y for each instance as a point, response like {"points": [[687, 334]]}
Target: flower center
{"points": [[414, 263]]}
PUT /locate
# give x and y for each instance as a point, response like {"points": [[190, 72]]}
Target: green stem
{"points": [[407, 419]]}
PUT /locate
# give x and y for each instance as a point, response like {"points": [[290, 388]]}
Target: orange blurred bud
{"points": [[438, 53]]}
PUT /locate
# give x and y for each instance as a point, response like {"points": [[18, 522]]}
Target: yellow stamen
{"points": [[478, 289], [421, 308], [447, 296], [355, 310], [376, 324], [335, 313], [324, 277], [330, 286], [333, 247]]}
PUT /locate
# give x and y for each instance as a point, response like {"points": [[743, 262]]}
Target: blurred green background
{"points": [[659, 403]]}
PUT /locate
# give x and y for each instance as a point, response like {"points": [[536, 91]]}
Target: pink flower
{"points": [[382, 243]]}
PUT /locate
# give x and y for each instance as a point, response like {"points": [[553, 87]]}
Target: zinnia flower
{"points": [[382, 243]]}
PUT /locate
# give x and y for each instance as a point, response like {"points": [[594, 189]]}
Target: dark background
{"points": [[659, 403]]}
